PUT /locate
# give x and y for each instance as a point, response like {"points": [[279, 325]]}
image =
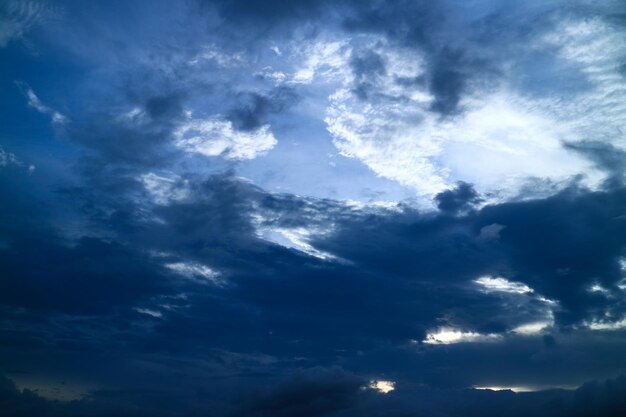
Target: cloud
{"points": [[195, 271], [499, 284], [8, 159], [253, 109], [216, 137], [142, 257], [164, 189], [449, 336], [35, 103], [462, 197], [490, 112], [308, 393], [19, 17]]}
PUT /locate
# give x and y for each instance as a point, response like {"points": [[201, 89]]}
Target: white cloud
{"points": [[597, 288], [269, 73], [499, 284], [35, 103], [382, 386], [447, 336], [222, 59], [403, 141], [490, 232], [321, 59], [524, 388], [149, 312], [215, 136], [606, 324], [597, 48], [533, 328], [295, 238], [8, 158], [503, 135], [525, 299], [165, 189], [196, 272]]}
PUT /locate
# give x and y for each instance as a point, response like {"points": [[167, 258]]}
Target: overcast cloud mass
{"points": [[246, 208]]}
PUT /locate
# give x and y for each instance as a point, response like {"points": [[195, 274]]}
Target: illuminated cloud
{"points": [[382, 386], [499, 284], [196, 272], [533, 328], [606, 324], [521, 136], [164, 189], [217, 137], [295, 238], [446, 336]]}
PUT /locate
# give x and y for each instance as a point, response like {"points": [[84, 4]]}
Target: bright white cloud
{"points": [[597, 288], [447, 336], [403, 141], [520, 136], [319, 59], [533, 328], [295, 238], [597, 48], [215, 136], [499, 284], [382, 386], [526, 299], [606, 324], [524, 388]]}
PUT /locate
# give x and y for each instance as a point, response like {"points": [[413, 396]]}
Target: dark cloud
{"points": [[331, 392], [89, 276], [459, 199], [367, 66], [447, 82], [606, 157], [310, 393], [253, 109]]}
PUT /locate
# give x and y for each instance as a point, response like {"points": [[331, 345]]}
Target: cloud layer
{"points": [[313, 208]]}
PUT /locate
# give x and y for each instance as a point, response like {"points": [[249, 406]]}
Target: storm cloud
{"points": [[313, 208]]}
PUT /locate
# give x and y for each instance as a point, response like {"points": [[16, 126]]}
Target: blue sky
{"points": [[312, 208]]}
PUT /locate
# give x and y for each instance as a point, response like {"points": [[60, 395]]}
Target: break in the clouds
{"points": [[312, 208]]}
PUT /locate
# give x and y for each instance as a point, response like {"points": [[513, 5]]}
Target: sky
{"points": [[312, 208]]}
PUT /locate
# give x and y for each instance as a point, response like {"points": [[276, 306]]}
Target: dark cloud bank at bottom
{"points": [[318, 392]]}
